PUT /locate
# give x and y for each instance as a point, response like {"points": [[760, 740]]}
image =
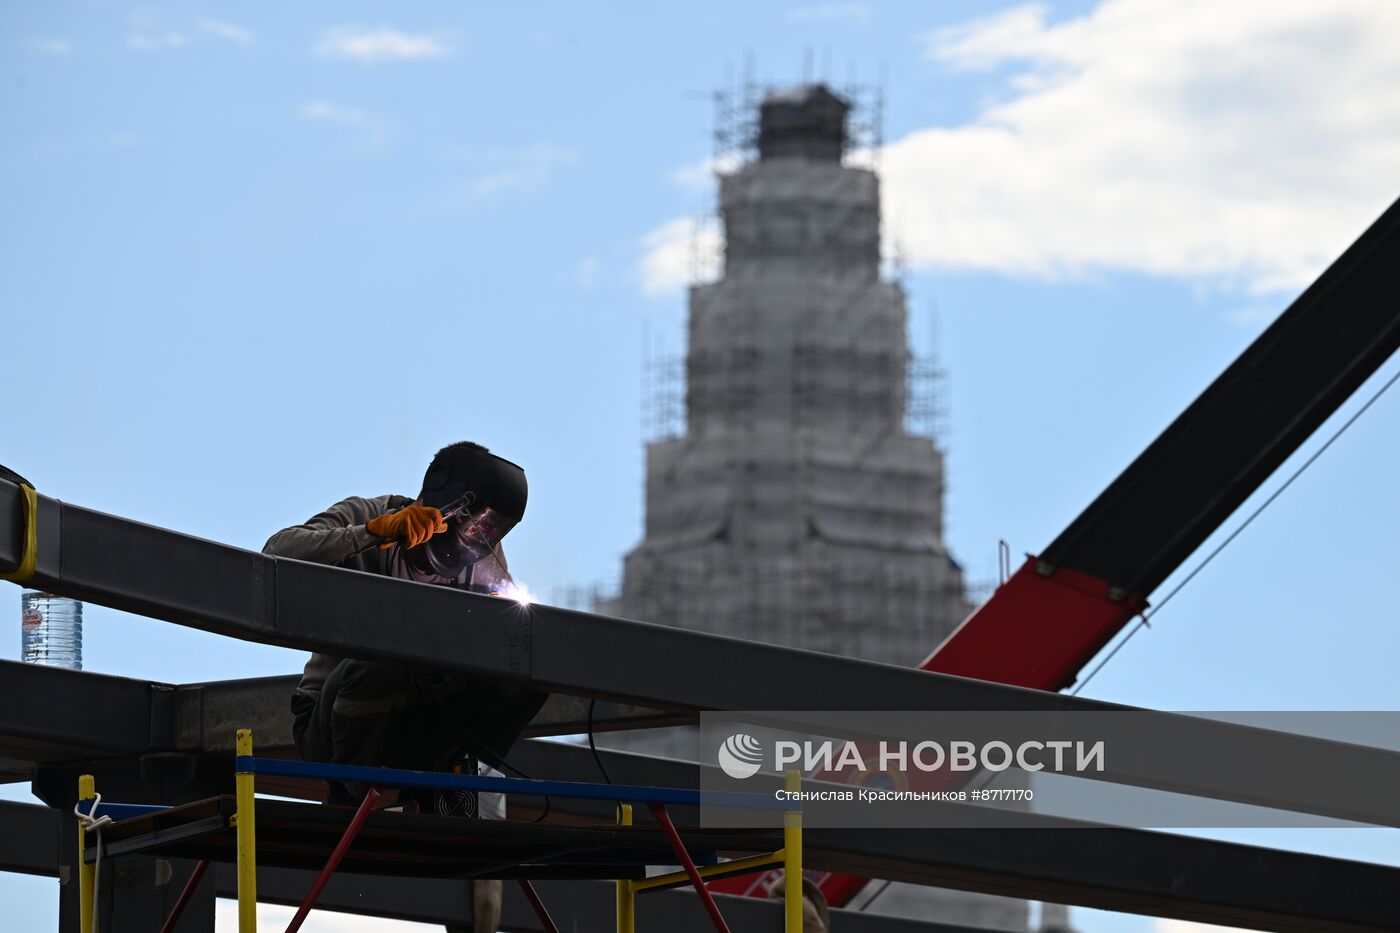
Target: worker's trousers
{"points": [[388, 715]]}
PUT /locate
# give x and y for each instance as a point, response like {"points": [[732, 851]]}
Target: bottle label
{"points": [[32, 618]]}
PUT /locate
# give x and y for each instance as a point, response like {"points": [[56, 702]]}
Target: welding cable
{"points": [[591, 746], [93, 824], [1145, 619], [617, 806]]}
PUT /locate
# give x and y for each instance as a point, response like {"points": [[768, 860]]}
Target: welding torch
{"points": [[451, 510]]}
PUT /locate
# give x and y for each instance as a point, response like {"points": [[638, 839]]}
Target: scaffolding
{"points": [[792, 455], [736, 120], [447, 847]]}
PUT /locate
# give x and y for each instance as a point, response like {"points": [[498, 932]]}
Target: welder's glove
{"points": [[412, 525]]}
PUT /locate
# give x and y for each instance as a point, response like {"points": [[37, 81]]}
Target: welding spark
{"points": [[516, 591]]}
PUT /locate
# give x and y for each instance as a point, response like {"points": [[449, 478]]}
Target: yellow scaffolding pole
{"points": [[626, 896], [789, 856], [87, 874], [247, 839], [792, 860]]}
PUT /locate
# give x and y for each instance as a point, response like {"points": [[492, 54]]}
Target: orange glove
{"points": [[412, 524]]}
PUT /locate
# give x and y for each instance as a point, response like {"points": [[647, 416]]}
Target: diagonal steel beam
{"points": [[1246, 423]]}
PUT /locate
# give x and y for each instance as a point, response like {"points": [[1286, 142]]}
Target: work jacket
{"points": [[338, 537]]}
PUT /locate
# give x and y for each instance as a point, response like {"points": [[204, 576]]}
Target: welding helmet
{"points": [[482, 497]]}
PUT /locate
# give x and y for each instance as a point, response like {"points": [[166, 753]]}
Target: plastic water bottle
{"points": [[51, 630]]}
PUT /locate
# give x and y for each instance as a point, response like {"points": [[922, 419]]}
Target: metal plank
{"points": [[158, 838]]}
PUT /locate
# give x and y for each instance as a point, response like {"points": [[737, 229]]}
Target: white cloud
{"points": [[1234, 145], [58, 47], [522, 170], [226, 31], [371, 130], [378, 44], [828, 12], [981, 43], [1244, 143], [678, 253]]}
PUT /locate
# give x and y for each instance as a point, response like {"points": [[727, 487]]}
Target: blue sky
{"points": [[256, 258]]}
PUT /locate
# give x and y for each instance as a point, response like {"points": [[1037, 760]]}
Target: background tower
{"points": [[796, 508]]}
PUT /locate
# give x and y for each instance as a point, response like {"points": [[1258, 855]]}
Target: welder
{"points": [[370, 713]]}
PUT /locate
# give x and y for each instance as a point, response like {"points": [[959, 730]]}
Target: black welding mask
{"points": [[482, 497]]}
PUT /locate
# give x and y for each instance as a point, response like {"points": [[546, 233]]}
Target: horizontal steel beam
{"points": [[29, 845], [51, 716], [1133, 871], [29, 840], [190, 581], [1139, 872], [1159, 874]]}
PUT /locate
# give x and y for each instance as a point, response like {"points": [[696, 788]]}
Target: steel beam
{"points": [[50, 716], [1246, 423], [45, 714], [190, 581], [1133, 871], [295, 604], [1126, 870], [563, 714], [29, 838], [1159, 874], [579, 905]]}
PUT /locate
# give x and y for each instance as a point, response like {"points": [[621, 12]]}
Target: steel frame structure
{"points": [[218, 588], [1157, 873], [1060, 608]]}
